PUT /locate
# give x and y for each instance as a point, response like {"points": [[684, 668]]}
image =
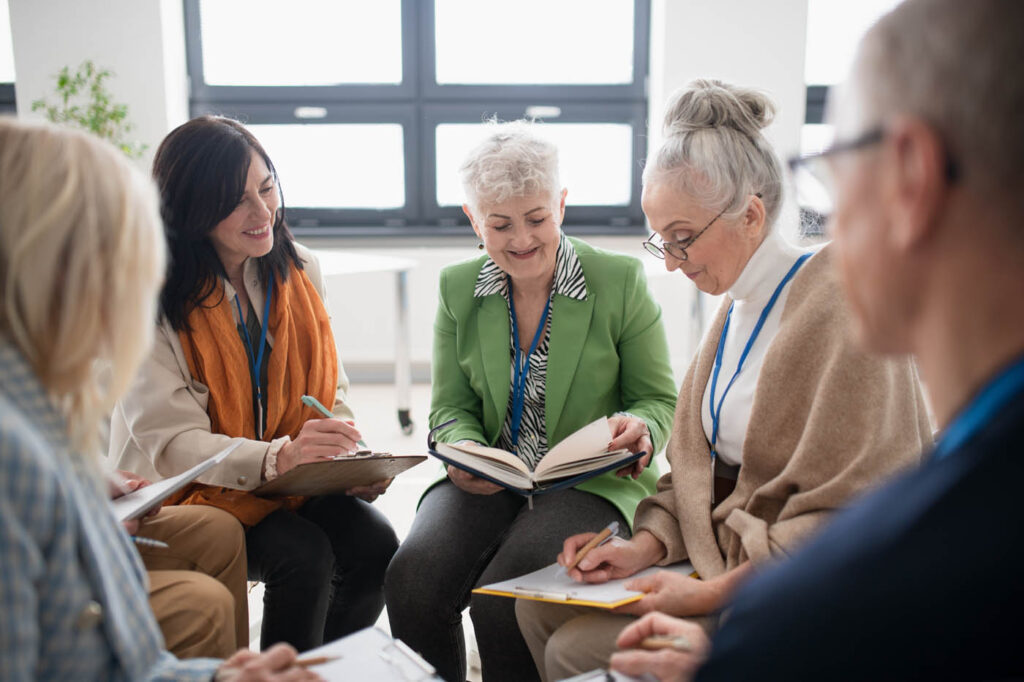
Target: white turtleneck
{"points": [[751, 291]]}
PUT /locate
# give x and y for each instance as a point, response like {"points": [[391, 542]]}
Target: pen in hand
{"points": [[604, 536], [310, 401]]}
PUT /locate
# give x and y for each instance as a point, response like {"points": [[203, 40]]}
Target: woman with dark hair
{"points": [[244, 333]]}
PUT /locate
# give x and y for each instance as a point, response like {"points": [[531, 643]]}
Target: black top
{"points": [[924, 579], [254, 326]]}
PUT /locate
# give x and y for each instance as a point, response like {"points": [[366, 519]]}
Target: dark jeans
{"points": [[323, 569], [460, 541]]}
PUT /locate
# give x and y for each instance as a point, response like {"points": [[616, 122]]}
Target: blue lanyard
{"points": [[1000, 391], [716, 411], [256, 360], [521, 369]]}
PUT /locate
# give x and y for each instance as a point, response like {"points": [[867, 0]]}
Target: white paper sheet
{"points": [[135, 504]]}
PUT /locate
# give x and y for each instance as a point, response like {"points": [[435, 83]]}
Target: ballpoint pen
{"points": [[604, 536], [310, 401], [149, 542]]}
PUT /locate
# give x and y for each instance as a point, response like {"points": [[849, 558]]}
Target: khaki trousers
{"points": [[568, 640], [197, 586]]}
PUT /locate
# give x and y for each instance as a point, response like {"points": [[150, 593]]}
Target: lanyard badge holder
{"points": [[716, 409], [256, 359], [521, 369]]}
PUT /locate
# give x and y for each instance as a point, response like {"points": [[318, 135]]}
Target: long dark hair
{"points": [[201, 169]]}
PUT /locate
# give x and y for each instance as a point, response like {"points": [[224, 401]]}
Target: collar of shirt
{"points": [[763, 272], [569, 279]]}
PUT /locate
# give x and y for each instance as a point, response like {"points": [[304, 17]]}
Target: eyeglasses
{"points": [[813, 178], [677, 248]]}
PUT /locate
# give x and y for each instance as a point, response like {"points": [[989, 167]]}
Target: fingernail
{"points": [[351, 451]]}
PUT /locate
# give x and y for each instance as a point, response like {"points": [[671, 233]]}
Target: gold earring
{"points": [[480, 246]]}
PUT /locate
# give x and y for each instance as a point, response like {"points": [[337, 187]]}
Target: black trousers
{"points": [[460, 541], [323, 569]]}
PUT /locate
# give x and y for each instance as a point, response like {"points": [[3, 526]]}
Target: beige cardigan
{"points": [[160, 427], [828, 421]]}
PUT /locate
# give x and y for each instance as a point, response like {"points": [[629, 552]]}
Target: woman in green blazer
{"points": [[533, 341]]}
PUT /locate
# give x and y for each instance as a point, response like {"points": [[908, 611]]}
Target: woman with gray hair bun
{"points": [[780, 418], [532, 341]]}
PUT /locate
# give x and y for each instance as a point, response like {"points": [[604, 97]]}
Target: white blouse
{"points": [[751, 291]]}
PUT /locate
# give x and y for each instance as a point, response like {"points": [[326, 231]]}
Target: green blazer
{"points": [[607, 354]]}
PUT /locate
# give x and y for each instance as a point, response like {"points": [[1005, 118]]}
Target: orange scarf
{"points": [[302, 361]]}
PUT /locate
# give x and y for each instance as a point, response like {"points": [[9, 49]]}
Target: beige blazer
{"points": [[160, 427], [828, 422]]}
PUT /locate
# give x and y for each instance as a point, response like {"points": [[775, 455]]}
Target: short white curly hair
{"points": [[512, 161]]}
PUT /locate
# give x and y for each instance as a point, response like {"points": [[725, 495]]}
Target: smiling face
{"points": [[715, 260], [521, 234], [248, 231]]}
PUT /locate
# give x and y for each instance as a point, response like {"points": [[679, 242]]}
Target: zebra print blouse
{"points": [[569, 282]]}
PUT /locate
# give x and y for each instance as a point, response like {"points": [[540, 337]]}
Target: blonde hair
{"points": [[714, 150], [81, 260], [512, 161]]}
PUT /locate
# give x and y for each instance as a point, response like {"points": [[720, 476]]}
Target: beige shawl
{"points": [[828, 422]]}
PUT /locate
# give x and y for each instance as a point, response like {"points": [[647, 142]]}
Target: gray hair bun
{"points": [[707, 103]]}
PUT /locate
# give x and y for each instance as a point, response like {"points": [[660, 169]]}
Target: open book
{"points": [[579, 456]]}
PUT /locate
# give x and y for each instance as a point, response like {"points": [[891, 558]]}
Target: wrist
{"points": [[652, 549]]}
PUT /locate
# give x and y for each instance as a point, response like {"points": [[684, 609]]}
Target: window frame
{"points": [[8, 100], [418, 103]]}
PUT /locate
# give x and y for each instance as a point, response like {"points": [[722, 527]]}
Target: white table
{"points": [[336, 263]]}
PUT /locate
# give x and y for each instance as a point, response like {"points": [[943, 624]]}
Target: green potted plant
{"points": [[84, 101]]}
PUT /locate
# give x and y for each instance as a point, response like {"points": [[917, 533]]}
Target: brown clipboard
{"points": [[338, 475]]}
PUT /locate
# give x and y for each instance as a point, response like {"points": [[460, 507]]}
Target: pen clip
{"points": [[431, 441]]}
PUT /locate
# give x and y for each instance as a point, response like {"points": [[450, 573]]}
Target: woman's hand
{"points": [[674, 594], [470, 483], [319, 439], [631, 433], [369, 493], [616, 558], [669, 664], [276, 664], [122, 482]]}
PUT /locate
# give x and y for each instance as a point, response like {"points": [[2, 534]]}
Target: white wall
{"points": [[141, 41], [751, 42]]}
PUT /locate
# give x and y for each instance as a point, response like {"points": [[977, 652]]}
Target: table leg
{"points": [[403, 362]]}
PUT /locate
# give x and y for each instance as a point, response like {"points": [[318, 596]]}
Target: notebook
{"points": [[578, 457], [551, 585], [135, 504], [338, 475], [370, 654]]}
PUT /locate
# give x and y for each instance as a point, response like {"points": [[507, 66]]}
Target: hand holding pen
{"points": [[578, 547], [666, 647], [368, 493], [319, 439]]}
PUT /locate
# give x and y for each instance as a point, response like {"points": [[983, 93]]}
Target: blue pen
{"points": [[310, 401]]}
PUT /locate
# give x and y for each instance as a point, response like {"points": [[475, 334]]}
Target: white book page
{"points": [[589, 441], [135, 504], [488, 453], [550, 583]]}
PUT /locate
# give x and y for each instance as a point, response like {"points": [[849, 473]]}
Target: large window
{"points": [[367, 108], [834, 30]]}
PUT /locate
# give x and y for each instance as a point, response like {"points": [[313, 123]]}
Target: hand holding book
{"points": [[631, 433]]}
